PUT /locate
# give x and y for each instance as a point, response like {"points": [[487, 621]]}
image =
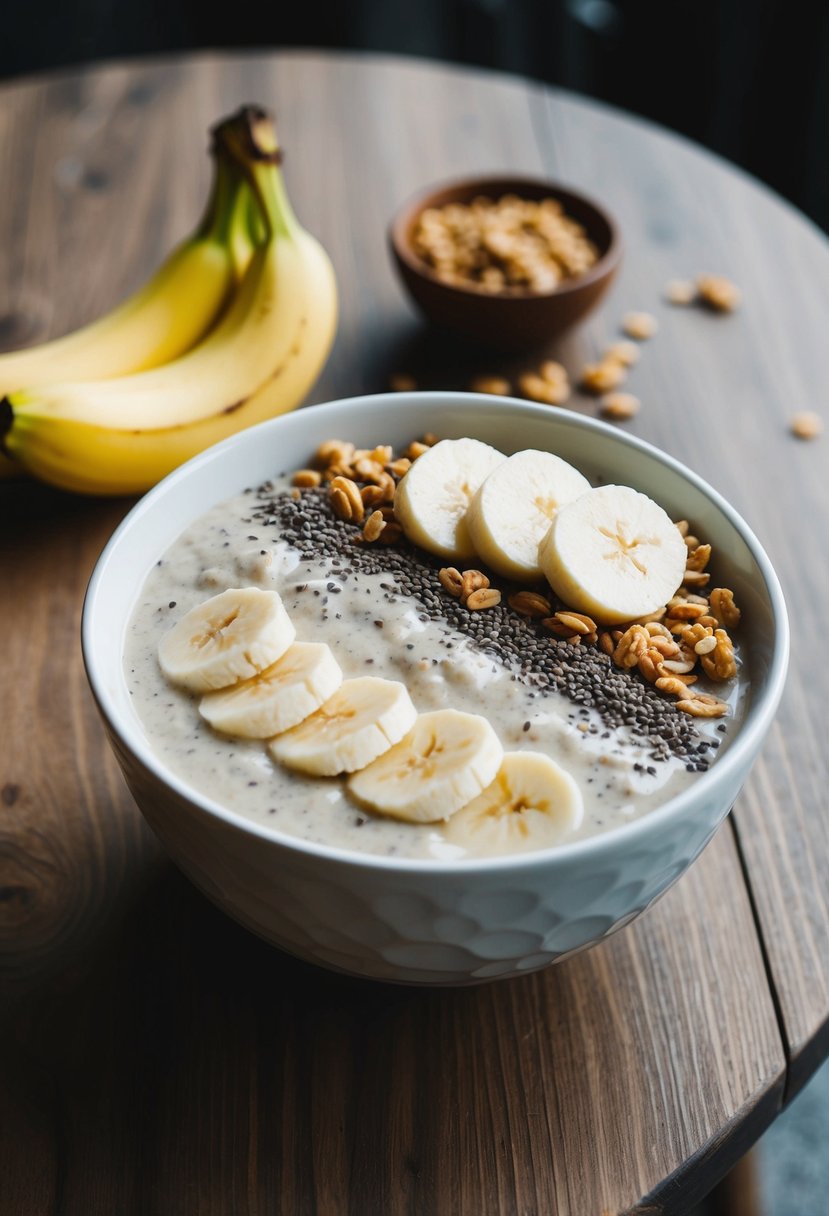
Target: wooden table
{"points": [[156, 1059]]}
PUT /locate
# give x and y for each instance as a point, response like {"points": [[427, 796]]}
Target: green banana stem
{"points": [[227, 218], [268, 186], [227, 203], [249, 137], [256, 228]]}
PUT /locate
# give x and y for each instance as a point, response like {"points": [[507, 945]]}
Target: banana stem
{"points": [[268, 186], [228, 201], [249, 137], [255, 220]]}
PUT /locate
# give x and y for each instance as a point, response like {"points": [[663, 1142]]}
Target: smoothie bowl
{"points": [[380, 725]]}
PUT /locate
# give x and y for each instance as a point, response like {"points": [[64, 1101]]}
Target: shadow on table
{"points": [[439, 360], [182, 1052]]}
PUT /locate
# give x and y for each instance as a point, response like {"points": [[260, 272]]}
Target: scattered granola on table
{"points": [[619, 406], [639, 325], [496, 386], [626, 353], [545, 389], [713, 291], [602, 377], [402, 382], [718, 292], [806, 425], [680, 291]]}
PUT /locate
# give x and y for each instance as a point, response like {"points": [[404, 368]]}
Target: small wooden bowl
{"points": [[517, 321]]}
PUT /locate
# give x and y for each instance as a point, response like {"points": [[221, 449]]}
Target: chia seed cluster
{"points": [[584, 674]]}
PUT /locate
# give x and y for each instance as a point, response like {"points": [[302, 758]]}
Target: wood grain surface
{"points": [[154, 1058]]}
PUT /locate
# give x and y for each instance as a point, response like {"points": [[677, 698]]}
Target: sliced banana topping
{"points": [[280, 697], [446, 759], [228, 638], [614, 554], [532, 804], [432, 499], [511, 512], [363, 719]]}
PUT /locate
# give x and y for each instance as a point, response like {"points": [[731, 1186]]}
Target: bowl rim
{"points": [[401, 219], [742, 748]]}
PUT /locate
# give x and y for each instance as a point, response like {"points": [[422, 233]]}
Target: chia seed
{"points": [[584, 674]]}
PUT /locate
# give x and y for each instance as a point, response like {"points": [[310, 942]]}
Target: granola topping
{"points": [[530, 603], [675, 644]]}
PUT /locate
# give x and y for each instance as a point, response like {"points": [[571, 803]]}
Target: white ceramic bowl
{"points": [[418, 921]]}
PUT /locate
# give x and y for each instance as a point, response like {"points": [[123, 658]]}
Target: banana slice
{"points": [[445, 760], [280, 697], [510, 513], [363, 719], [433, 497], [614, 554], [228, 638], [532, 804]]}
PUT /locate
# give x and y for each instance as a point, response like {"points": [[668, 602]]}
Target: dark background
{"points": [[748, 78]]}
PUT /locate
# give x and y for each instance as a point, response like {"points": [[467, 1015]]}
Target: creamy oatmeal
{"points": [[537, 692]]}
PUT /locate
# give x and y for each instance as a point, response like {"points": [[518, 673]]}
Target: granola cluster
{"points": [[470, 587], [690, 633], [506, 245], [713, 291], [341, 466]]}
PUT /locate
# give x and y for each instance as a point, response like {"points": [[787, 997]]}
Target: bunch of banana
{"points": [[163, 319], [255, 355]]}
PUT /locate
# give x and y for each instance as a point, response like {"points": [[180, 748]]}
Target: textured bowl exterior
{"points": [[425, 927], [388, 919]]}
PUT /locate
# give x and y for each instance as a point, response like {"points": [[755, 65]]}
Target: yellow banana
{"points": [[263, 322], [93, 459], [121, 436], [165, 317]]}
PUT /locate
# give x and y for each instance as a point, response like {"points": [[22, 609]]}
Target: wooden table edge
{"points": [[688, 1185]]}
